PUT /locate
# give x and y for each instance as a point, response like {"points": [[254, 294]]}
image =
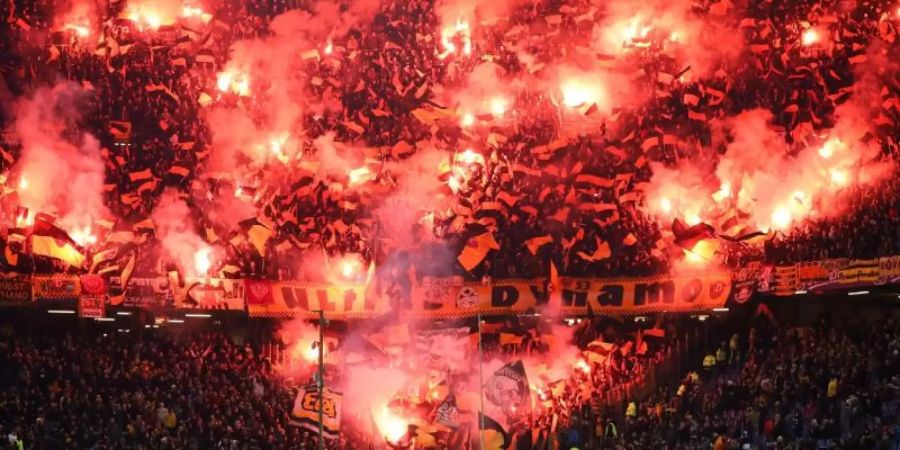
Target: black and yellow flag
{"points": [[306, 411]]}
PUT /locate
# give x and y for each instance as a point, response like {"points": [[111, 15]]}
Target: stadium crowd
{"points": [[770, 386], [167, 133]]}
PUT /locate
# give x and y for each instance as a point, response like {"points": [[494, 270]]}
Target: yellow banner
{"points": [[861, 271], [785, 280], [305, 299], [306, 410], [890, 269]]}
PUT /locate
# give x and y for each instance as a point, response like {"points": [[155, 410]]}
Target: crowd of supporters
{"points": [[770, 386], [399, 66]]}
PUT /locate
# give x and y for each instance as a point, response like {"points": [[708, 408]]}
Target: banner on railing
{"points": [[147, 293], [835, 274], [15, 289], [207, 293], [645, 295], [56, 287], [92, 301]]}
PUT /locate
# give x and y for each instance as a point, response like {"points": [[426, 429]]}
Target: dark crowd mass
{"points": [[386, 71], [761, 384]]}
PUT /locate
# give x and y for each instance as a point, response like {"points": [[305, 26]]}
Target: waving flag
{"points": [[51, 241]]}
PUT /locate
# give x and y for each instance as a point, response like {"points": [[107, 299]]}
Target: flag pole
{"points": [[321, 379], [481, 383]]}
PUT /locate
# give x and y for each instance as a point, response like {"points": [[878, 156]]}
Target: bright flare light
{"points": [[666, 205], [83, 236], [202, 261], [468, 119], [448, 33], [80, 30], [469, 157], [576, 93], [329, 48], [809, 37], [390, 426], [357, 176], [498, 106], [839, 177], [234, 83], [583, 366], [829, 148], [23, 183], [781, 218]]}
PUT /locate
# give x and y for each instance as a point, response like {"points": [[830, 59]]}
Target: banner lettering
{"points": [[15, 290]]}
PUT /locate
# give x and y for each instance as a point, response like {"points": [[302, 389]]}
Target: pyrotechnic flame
{"points": [[238, 191], [23, 183], [454, 184], [635, 30], [582, 365], [781, 218], [576, 93], [498, 106], [702, 252], [80, 30], [723, 193], [468, 119], [666, 205], [329, 48], [357, 176], [692, 218], [192, 11], [448, 33], [810, 36], [839, 177], [203, 261], [393, 428], [469, 157], [235, 83], [829, 148], [83, 236]]}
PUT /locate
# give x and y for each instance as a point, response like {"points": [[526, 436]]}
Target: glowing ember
{"points": [[809, 37], [202, 261], [390, 426], [468, 119]]}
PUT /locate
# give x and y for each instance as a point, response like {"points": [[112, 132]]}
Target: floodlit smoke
{"points": [[765, 183], [176, 233], [60, 171], [695, 41]]}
